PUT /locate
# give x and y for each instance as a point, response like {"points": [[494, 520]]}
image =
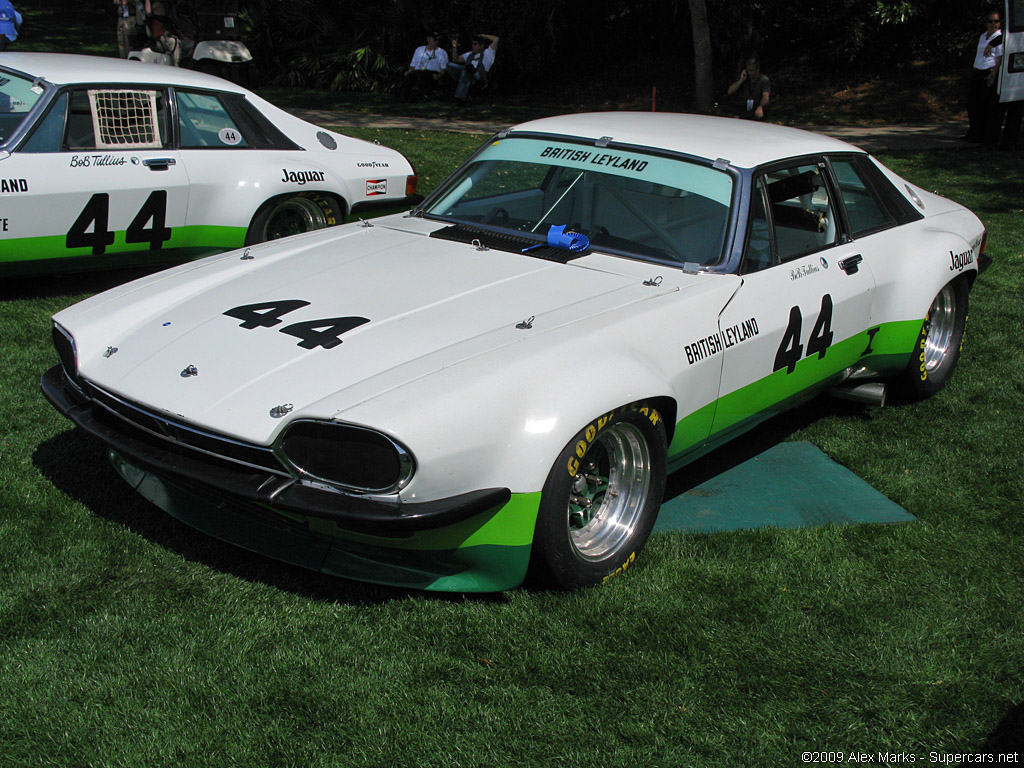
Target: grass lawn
{"points": [[127, 639]]}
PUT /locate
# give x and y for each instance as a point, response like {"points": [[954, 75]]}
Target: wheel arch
{"points": [[336, 198], [908, 282], [503, 426]]}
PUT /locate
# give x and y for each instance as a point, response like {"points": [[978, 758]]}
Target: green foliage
{"points": [[895, 13]]}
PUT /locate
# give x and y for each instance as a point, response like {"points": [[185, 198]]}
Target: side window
{"points": [[801, 211], [758, 254], [111, 119], [49, 133], [204, 122], [865, 212]]}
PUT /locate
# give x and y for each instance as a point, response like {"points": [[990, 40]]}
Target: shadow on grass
{"points": [[1008, 737], [77, 465], [71, 284], [758, 440], [93, 31]]}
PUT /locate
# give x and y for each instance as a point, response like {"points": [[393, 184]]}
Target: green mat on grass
{"points": [[791, 485]]}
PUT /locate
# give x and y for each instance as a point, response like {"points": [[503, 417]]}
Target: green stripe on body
{"points": [[891, 348], [54, 246]]}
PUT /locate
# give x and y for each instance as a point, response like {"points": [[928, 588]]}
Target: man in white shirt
{"points": [[425, 70], [983, 99]]}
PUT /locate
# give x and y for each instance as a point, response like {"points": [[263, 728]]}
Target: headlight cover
{"points": [[67, 352], [345, 456]]}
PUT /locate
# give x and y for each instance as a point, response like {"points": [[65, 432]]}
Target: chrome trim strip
{"points": [[272, 465]]}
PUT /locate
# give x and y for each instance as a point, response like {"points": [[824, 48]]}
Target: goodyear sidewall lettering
{"points": [[621, 569], [590, 434]]}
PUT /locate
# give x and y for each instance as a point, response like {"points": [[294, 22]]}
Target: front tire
{"points": [[937, 350], [293, 215], [601, 499]]}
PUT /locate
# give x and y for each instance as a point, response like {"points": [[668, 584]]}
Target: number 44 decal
{"points": [[324, 333], [791, 350], [91, 228]]}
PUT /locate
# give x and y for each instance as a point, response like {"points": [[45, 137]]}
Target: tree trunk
{"points": [[702, 77]]}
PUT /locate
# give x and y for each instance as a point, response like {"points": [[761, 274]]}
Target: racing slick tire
{"points": [[938, 345], [293, 215], [600, 499]]}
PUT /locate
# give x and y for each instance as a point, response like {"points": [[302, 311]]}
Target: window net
{"points": [[125, 119]]}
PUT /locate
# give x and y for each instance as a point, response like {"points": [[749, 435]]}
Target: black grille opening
{"points": [[345, 455], [188, 437]]}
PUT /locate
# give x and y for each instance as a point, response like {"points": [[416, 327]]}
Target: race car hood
{"points": [[242, 343]]}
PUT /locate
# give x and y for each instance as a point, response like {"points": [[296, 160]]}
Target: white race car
{"points": [[101, 157], [501, 379]]}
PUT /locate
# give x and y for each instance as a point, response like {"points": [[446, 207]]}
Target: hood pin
{"points": [[527, 324], [190, 371], [281, 410]]}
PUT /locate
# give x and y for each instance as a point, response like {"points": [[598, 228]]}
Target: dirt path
{"points": [[875, 138]]}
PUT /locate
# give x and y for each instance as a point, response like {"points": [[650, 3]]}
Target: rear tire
{"points": [[601, 499], [937, 350], [293, 215]]}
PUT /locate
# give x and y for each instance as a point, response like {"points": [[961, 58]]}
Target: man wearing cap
{"points": [[474, 65]]}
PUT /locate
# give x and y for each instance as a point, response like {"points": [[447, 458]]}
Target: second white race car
{"points": [[501, 380], [102, 159]]}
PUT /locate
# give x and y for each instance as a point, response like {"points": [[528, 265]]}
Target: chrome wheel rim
{"points": [[607, 496], [941, 323], [293, 217]]}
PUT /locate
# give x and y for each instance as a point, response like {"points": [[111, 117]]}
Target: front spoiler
{"points": [[224, 479]]}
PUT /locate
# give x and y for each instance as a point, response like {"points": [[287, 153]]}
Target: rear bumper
{"points": [[385, 206]]}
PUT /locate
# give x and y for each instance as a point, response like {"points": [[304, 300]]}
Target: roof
{"points": [[744, 143], [66, 68]]}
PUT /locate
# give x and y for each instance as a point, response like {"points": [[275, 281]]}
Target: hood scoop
{"points": [[503, 241]]}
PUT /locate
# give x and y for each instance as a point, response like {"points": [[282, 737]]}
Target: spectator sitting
{"points": [[425, 70], [167, 33], [750, 95], [474, 65]]}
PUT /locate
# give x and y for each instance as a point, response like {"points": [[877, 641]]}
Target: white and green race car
{"points": [[104, 161], [500, 380]]}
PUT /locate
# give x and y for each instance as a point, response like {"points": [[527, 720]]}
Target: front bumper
{"points": [[222, 478], [477, 541]]}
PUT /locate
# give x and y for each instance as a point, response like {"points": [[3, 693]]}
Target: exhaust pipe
{"points": [[870, 392]]}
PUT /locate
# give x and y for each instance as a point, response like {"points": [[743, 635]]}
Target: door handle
{"points": [[851, 264], [158, 163]]}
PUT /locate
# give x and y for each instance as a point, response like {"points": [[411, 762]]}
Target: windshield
{"points": [[636, 204], [17, 97]]}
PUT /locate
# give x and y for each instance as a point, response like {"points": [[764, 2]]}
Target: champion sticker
{"points": [[376, 187]]}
